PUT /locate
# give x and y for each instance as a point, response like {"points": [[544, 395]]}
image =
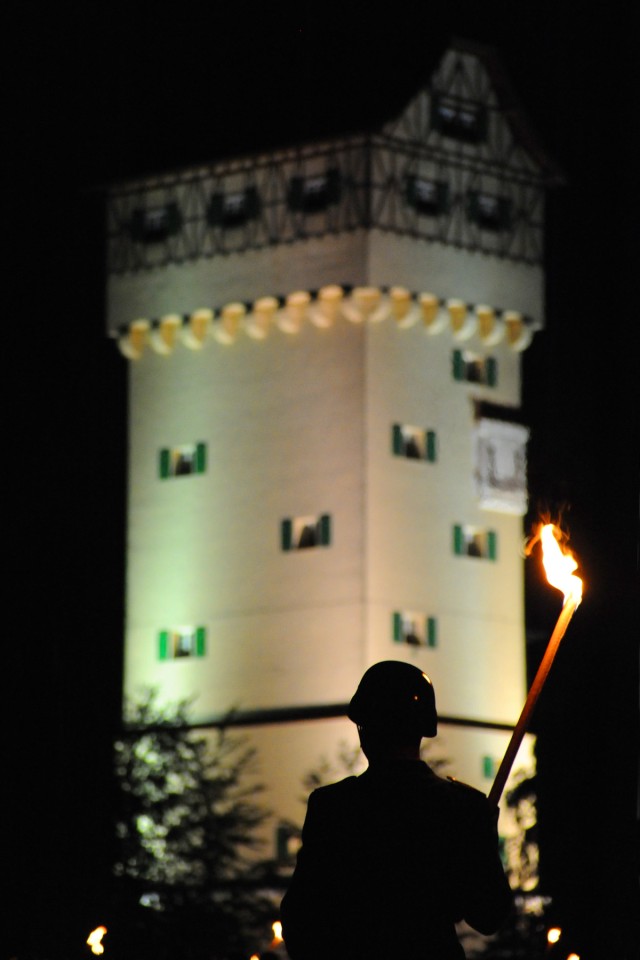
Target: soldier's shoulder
{"points": [[465, 792], [334, 790]]}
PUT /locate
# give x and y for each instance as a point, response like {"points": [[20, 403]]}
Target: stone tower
{"points": [[326, 462]]}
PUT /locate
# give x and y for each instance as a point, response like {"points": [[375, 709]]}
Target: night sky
{"points": [[100, 93]]}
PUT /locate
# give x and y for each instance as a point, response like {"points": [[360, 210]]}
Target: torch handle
{"points": [[532, 698]]}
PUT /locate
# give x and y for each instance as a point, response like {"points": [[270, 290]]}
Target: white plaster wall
{"points": [[272, 271], [283, 423], [412, 506], [448, 272]]}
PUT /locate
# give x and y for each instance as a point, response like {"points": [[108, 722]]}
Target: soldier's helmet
{"points": [[396, 697]]}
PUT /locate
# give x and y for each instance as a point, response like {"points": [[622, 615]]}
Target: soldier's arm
{"points": [[303, 907], [489, 897], [485, 896]]}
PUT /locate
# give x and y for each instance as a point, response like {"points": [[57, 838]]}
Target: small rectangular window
{"points": [[473, 542], [155, 224], [314, 193], [182, 461], [413, 443], [459, 119], [182, 642], [301, 533], [428, 197], [472, 367], [234, 208], [414, 628], [489, 211]]}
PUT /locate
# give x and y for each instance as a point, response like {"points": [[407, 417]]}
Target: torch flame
{"points": [[94, 940], [559, 563], [554, 934]]}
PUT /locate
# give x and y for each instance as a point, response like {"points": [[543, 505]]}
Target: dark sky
{"points": [[102, 92]]}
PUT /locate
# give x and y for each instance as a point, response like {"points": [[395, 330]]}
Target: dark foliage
{"points": [[188, 873]]}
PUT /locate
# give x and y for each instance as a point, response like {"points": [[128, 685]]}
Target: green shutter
{"points": [[491, 367], [431, 446], [286, 529], [201, 458], [163, 645], [397, 443], [201, 641], [396, 619], [458, 540], [492, 544], [458, 365], [325, 530], [488, 767], [502, 851], [432, 632], [164, 464]]}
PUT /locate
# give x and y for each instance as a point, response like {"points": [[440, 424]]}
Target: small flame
{"points": [[554, 934], [94, 940], [559, 562], [277, 932]]}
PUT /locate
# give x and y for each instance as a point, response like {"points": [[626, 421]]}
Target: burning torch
{"points": [[559, 565], [94, 940]]}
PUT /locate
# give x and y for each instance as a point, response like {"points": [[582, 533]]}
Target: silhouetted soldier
{"points": [[392, 859]]}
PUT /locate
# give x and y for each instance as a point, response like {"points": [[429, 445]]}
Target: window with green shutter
{"points": [[414, 628], [471, 541], [301, 533], [470, 367], [182, 642], [182, 461], [413, 443]]}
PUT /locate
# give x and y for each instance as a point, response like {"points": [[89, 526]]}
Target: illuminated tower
{"points": [[326, 463]]}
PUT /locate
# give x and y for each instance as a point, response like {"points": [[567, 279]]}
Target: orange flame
{"points": [[559, 562], [94, 940], [277, 933], [554, 934]]}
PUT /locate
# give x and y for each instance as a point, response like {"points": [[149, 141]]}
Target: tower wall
{"points": [[282, 421]]}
